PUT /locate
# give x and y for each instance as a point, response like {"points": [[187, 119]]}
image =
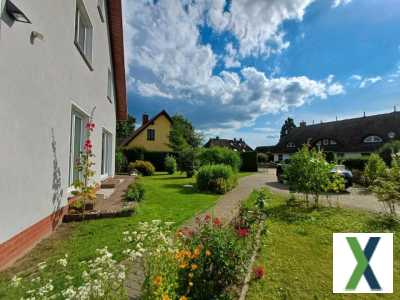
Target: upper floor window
{"points": [[373, 139], [110, 86], [101, 6], [291, 145], [151, 134], [83, 33]]}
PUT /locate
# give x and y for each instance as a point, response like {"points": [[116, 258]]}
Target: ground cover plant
{"points": [[297, 251]]}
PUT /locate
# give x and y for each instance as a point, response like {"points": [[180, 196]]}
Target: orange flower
{"points": [[196, 252], [194, 267], [157, 280], [183, 298], [208, 253], [166, 297], [183, 265]]}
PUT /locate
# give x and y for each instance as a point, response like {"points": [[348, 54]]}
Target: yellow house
{"points": [[153, 135]]}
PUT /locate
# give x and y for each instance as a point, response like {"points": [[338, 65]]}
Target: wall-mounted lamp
{"points": [[15, 13]]}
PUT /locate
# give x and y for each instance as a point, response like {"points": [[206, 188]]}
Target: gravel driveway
{"points": [[358, 198]]}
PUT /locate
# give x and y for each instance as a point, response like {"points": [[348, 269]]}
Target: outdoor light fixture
{"points": [[15, 13]]}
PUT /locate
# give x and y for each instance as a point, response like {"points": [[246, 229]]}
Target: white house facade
{"points": [[60, 62]]}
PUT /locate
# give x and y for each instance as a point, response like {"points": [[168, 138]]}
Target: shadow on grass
{"points": [[384, 222], [169, 177], [185, 190]]}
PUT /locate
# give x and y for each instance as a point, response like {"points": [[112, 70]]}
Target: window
{"points": [[291, 145], [151, 134], [78, 121], [83, 33], [110, 86], [101, 6], [373, 139], [333, 142], [106, 154]]}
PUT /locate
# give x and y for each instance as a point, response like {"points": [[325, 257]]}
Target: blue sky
{"points": [[238, 69]]}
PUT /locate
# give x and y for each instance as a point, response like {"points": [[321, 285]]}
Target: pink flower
{"points": [[207, 218], [217, 222], [90, 126], [88, 146], [259, 272], [243, 232]]}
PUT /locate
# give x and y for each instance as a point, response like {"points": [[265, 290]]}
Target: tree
{"points": [[287, 126], [374, 169], [125, 128], [387, 186], [387, 151]]}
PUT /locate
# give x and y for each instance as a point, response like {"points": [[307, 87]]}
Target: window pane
{"points": [[81, 32], [77, 146], [88, 49], [109, 87]]}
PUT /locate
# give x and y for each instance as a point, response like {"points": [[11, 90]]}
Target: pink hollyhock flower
{"points": [[90, 126], [88, 145], [259, 272]]}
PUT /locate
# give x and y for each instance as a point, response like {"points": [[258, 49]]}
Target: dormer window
{"points": [[291, 145], [373, 139]]}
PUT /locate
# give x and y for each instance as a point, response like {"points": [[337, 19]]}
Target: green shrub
{"points": [[121, 162], [216, 178], [249, 161], [374, 168], [170, 164], [355, 163], [387, 150], [262, 158], [135, 192], [134, 154], [219, 155], [187, 161], [145, 168]]}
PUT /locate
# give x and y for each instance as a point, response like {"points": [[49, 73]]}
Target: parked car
{"points": [[338, 169]]}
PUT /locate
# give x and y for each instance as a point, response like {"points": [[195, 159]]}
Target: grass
{"points": [[165, 199], [297, 252]]}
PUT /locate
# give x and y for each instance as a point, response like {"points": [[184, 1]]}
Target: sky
{"points": [[240, 68]]}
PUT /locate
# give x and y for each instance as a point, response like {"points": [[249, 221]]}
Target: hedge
{"points": [[156, 158], [249, 161]]}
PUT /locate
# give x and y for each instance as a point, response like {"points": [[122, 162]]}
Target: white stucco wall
{"points": [[39, 83]]}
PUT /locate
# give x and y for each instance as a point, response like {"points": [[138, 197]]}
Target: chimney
{"points": [[234, 139], [364, 114], [145, 119], [217, 137], [303, 124]]}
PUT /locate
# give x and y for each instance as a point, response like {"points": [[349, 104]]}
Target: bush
{"points": [[216, 178], [121, 162], [139, 153], [170, 164], [387, 150], [135, 192], [262, 158], [219, 155], [187, 161], [249, 162], [374, 168], [355, 163], [145, 168]]}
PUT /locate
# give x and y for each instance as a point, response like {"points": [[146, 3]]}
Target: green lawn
{"points": [[165, 199], [297, 252]]}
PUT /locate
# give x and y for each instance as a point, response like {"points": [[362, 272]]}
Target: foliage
{"points": [[100, 278], [287, 126], [85, 188], [145, 168], [249, 161], [157, 158], [262, 158], [220, 155], [125, 128], [216, 178], [135, 192], [309, 173], [387, 187], [187, 161], [121, 163], [170, 164], [135, 153], [387, 150], [183, 134], [374, 168]]}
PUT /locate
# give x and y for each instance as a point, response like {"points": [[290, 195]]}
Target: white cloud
{"points": [[356, 77], [337, 3], [166, 59], [369, 81], [230, 58]]}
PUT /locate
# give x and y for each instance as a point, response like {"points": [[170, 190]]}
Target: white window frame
{"points": [[101, 6], [110, 86], [76, 113], [106, 153], [84, 34], [373, 139]]}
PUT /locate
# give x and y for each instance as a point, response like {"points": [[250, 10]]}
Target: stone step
{"points": [[109, 184]]}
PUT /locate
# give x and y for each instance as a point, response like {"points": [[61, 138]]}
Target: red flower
{"points": [[90, 126], [259, 272], [243, 232], [217, 222], [88, 146], [207, 218]]}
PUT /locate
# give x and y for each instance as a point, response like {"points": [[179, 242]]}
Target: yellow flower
{"points": [[183, 265], [194, 267], [191, 283], [166, 297], [196, 252], [157, 280], [208, 253], [183, 298], [190, 275]]}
